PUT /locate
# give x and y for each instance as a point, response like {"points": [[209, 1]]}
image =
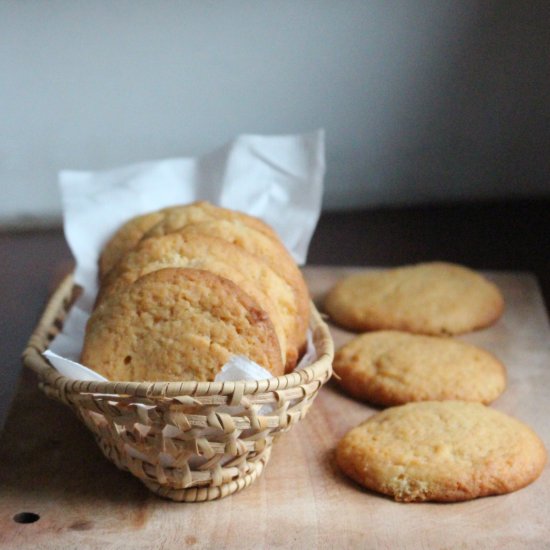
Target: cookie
{"points": [[167, 220], [222, 258], [176, 217], [272, 252], [441, 451], [178, 324], [431, 298], [125, 239], [391, 368]]}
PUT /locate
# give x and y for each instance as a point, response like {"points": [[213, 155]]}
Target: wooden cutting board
{"points": [[51, 467]]}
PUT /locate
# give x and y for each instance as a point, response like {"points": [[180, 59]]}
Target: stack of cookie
{"points": [[184, 289], [437, 441]]}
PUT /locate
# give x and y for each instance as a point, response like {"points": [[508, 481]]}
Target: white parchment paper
{"points": [[276, 178]]}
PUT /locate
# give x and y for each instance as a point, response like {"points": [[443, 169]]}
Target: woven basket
{"points": [[187, 441]]}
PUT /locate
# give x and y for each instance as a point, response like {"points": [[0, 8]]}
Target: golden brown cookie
{"points": [[441, 451], [125, 239], [392, 368], [430, 298], [222, 258], [176, 217], [269, 250], [178, 324], [167, 220]]}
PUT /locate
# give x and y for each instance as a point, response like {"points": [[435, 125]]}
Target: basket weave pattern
{"points": [[188, 441]]}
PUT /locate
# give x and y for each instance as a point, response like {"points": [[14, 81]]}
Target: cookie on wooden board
{"points": [[392, 368], [429, 298], [443, 451], [175, 325]]}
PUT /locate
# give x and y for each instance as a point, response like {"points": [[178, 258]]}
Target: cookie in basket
{"points": [[270, 250], [176, 217], [255, 277], [391, 368], [164, 221], [430, 298], [441, 451], [178, 324], [125, 239]]}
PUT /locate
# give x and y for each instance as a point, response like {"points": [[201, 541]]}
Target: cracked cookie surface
{"points": [[225, 259], [392, 368], [435, 298], [167, 220], [441, 451], [178, 324]]}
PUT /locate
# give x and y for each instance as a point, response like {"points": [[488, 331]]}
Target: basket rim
{"points": [[50, 323]]}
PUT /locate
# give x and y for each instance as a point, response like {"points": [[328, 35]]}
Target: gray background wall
{"points": [[421, 100]]}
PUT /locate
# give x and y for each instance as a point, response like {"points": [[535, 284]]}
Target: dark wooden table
{"points": [[512, 236]]}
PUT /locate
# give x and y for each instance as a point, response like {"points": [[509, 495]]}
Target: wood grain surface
{"points": [[51, 467]]}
